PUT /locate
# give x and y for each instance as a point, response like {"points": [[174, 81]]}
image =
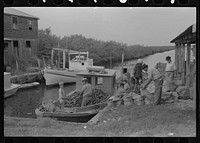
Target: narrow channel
{"points": [[25, 101]]}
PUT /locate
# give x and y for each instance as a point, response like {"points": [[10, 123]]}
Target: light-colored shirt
{"points": [[86, 90], [170, 66], [154, 74], [61, 94], [126, 86]]}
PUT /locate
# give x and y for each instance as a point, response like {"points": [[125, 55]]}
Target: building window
{"points": [[99, 80], [15, 22], [16, 48], [28, 44], [15, 43], [30, 24], [89, 80]]}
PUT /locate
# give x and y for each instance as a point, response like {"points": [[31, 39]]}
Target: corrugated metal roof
{"points": [[12, 11], [191, 29]]}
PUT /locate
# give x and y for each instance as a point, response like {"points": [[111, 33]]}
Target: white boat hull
{"points": [[53, 77], [11, 90]]}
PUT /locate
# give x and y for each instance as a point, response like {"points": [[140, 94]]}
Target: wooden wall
{"points": [[21, 34], [23, 28], [107, 86]]}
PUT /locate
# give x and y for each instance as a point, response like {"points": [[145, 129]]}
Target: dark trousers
{"points": [[85, 100], [158, 90]]}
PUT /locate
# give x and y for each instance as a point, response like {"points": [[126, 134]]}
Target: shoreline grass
{"points": [[145, 120]]}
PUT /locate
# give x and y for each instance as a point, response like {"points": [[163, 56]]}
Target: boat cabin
{"points": [[101, 80], [77, 60]]}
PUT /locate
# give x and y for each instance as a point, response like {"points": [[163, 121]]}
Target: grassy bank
{"points": [[22, 66], [167, 119]]}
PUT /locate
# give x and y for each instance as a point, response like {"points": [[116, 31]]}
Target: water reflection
{"points": [[150, 60]]}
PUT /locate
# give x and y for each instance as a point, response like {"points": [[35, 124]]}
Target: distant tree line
{"points": [[101, 52]]}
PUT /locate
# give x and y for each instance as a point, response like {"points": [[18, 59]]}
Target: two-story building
{"points": [[20, 35]]}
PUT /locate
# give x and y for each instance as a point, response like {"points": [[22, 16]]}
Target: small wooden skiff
{"points": [[76, 114]]}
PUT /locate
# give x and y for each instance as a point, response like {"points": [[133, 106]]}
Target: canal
{"points": [[25, 101]]}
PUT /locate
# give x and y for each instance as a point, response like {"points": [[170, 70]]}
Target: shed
{"points": [[20, 35], [103, 81], [185, 57]]}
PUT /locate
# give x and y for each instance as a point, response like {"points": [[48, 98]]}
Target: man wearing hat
{"points": [[86, 91], [169, 74], [137, 74]]}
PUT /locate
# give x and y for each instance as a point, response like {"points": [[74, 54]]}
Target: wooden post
{"points": [[17, 66], [52, 57], [179, 58], [64, 58], [183, 63], [58, 59], [122, 65], [194, 85], [176, 56], [44, 61], [188, 65], [110, 60], [38, 63]]}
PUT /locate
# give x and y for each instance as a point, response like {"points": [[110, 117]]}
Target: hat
{"points": [[140, 61], [84, 79], [61, 83], [144, 66], [168, 58]]}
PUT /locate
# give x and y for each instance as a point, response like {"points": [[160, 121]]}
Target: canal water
{"points": [[149, 60], [25, 101]]}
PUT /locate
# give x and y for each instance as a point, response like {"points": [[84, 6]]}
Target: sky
{"points": [[155, 26]]}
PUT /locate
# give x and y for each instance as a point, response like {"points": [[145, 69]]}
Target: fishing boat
{"points": [[77, 114], [101, 79], [78, 61], [9, 88]]}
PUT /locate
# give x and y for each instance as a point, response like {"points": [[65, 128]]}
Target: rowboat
{"points": [[77, 114], [29, 85], [9, 88]]}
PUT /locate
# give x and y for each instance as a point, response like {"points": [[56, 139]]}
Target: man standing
{"points": [[61, 92], [137, 74], [156, 76], [86, 91], [169, 74]]}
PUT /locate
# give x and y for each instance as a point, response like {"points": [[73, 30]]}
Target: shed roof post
{"points": [[183, 63], [188, 65]]}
